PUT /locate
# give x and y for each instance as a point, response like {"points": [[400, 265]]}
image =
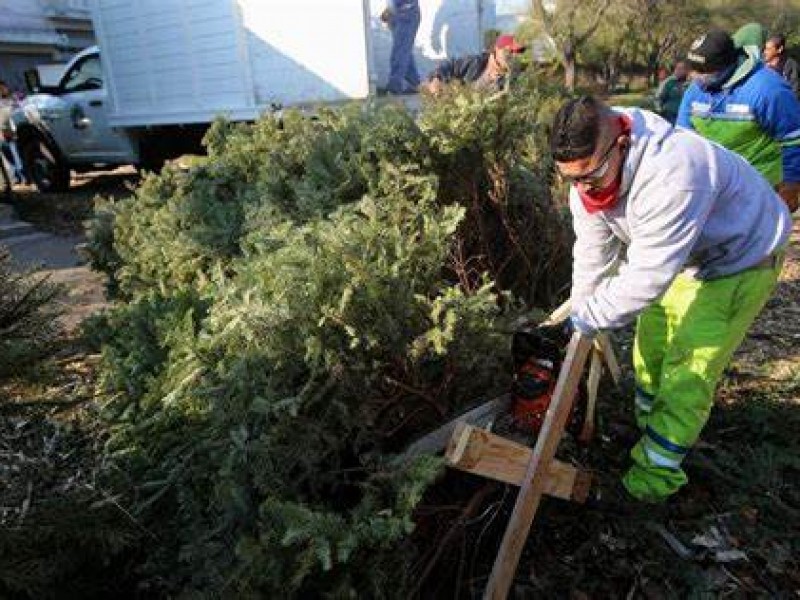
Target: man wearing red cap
{"points": [[487, 71]]}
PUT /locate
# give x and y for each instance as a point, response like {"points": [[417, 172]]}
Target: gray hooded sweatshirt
{"points": [[686, 204]]}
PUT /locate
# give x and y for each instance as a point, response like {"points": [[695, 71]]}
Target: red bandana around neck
{"points": [[604, 198]]}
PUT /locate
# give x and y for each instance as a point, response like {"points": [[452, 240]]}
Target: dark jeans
{"points": [[403, 72]]}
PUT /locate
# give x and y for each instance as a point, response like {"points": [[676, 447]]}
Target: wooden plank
{"points": [[530, 493], [603, 344], [483, 453], [559, 315], [592, 385], [436, 441]]}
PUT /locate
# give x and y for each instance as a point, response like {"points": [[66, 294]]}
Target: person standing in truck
{"points": [[402, 17]]}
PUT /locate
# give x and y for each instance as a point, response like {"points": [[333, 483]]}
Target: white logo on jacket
{"points": [[739, 109]]}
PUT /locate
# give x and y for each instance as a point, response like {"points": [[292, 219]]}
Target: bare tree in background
{"points": [[569, 24]]}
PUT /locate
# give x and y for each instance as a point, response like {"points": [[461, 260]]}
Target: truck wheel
{"points": [[45, 167]]}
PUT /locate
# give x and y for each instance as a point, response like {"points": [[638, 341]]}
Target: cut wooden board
{"points": [[603, 344], [530, 493], [592, 385], [483, 453]]}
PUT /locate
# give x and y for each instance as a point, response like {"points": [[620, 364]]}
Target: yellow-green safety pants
{"points": [[683, 343]]}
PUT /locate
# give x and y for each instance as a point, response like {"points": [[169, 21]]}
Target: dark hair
{"points": [[778, 39], [576, 129]]}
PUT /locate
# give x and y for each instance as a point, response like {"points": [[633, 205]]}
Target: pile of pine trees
{"points": [[297, 308]]}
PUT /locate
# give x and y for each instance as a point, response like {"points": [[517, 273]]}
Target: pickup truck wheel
{"points": [[45, 167]]}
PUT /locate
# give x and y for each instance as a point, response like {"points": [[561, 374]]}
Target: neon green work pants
{"points": [[683, 343]]}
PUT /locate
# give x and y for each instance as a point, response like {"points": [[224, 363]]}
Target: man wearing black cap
{"points": [[736, 101]]}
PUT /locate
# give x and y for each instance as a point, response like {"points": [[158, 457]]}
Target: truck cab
{"points": [[65, 127]]}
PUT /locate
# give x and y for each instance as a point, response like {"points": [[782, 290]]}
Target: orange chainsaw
{"points": [[538, 354]]}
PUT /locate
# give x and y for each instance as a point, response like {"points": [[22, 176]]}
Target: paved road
{"points": [[56, 257], [31, 248]]}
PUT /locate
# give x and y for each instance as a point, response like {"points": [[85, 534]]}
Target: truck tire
{"points": [[46, 169]]}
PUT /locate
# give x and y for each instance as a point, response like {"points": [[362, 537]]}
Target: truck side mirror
{"points": [[32, 81]]}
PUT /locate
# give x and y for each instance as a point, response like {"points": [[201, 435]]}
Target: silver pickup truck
{"points": [[65, 128]]}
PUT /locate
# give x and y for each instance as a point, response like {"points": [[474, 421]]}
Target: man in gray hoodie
{"points": [[682, 234]]}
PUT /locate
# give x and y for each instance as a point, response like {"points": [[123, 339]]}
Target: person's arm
{"points": [[446, 70], [452, 69], [685, 110], [663, 232], [438, 77], [778, 112], [595, 253]]}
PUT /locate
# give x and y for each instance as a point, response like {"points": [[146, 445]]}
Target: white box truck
{"points": [[164, 69]]}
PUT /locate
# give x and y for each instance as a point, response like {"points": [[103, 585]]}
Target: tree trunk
{"points": [[569, 74], [613, 75], [570, 67]]}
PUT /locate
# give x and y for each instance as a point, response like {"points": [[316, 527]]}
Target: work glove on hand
{"points": [[577, 324]]}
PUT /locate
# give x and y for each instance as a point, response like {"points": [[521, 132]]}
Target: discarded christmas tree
{"points": [[295, 311]]}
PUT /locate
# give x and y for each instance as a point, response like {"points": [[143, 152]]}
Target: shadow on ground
{"points": [[64, 213]]}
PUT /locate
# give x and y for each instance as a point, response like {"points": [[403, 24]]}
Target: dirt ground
{"points": [[65, 213], [772, 349]]}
